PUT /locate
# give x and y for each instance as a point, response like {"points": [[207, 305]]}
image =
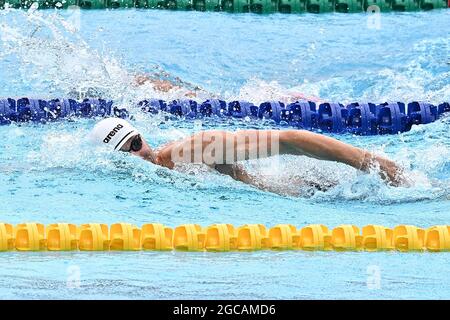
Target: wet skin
{"points": [[289, 142]]}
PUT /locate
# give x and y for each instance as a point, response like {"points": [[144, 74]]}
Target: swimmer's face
{"points": [[139, 147]]}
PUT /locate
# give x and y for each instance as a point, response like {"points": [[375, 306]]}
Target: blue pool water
{"points": [[49, 174]]}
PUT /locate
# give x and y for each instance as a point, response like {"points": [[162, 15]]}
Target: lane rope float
{"points": [[357, 118], [239, 6], [220, 237]]}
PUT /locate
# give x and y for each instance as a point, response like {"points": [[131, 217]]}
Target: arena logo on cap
{"points": [[112, 133]]}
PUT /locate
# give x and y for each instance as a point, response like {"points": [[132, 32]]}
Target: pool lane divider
{"points": [[220, 237], [359, 118], [240, 6]]}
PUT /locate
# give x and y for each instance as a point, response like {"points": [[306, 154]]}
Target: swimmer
{"points": [[192, 91], [164, 82], [223, 150]]}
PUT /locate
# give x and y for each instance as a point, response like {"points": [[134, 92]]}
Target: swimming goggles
{"points": [[136, 144]]}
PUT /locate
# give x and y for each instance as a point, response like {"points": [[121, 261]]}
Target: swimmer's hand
{"points": [[392, 173]]}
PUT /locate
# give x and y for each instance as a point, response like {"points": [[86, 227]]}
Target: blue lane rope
{"points": [[356, 118]]}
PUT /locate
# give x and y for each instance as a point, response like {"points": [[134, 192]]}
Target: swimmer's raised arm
{"points": [[300, 142], [225, 147]]}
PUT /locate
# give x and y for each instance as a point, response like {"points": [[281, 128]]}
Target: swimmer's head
{"points": [[120, 135]]}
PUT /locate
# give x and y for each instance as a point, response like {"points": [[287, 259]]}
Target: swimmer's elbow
{"points": [[293, 142]]}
